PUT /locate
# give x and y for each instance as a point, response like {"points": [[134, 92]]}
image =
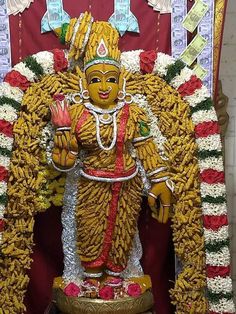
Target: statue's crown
{"points": [[97, 41]]}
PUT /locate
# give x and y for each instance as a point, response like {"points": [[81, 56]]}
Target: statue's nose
{"points": [[103, 85]]}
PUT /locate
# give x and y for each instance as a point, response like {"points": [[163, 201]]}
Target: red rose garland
{"points": [[147, 61], [215, 222], [189, 87], [60, 61], [211, 176], [207, 128], [15, 79], [6, 128]]}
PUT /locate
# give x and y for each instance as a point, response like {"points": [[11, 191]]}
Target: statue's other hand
{"points": [[160, 190]]}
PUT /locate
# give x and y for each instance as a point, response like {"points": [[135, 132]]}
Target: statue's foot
{"points": [[91, 287], [114, 282]]}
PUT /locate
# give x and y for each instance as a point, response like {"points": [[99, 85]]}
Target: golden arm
{"points": [[156, 171]]}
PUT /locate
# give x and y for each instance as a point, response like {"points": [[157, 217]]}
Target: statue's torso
{"points": [[87, 130]]}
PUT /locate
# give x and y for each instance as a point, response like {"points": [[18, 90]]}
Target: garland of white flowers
{"points": [[209, 153], [213, 193]]}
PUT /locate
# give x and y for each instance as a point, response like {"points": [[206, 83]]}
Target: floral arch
{"points": [[200, 232]]}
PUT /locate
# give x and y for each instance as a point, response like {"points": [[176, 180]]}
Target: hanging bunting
{"points": [[5, 47], [178, 33], [163, 6], [17, 6], [123, 19], [54, 17], [206, 30]]}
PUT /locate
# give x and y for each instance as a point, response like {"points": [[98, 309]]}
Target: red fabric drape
{"points": [[158, 260]]}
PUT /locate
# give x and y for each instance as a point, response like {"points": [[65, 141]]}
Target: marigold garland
{"points": [[16, 240]]}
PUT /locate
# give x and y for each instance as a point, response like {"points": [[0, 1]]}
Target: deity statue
{"points": [[107, 132]]}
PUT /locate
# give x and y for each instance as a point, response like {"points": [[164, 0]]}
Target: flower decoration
{"points": [[212, 176], [106, 293], [147, 61], [134, 290], [16, 79], [72, 290], [189, 87], [60, 114], [60, 60]]}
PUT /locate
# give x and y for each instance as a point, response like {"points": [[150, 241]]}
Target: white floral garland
{"points": [[208, 143]]}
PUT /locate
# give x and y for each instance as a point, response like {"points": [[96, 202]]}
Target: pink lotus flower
{"points": [[106, 293], [134, 290], [72, 290], [60, 114]]}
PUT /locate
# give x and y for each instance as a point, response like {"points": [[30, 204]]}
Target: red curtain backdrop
{"points": [[158, 258]]}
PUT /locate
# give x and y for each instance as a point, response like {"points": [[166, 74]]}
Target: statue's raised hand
{"points": [[65, 149], [163, 191]]}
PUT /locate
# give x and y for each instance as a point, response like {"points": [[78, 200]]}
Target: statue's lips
{"points": [[104, 95]]}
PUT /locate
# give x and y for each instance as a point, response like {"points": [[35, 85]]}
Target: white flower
{"points": [[220, 284], [4, 161], [204, 116], [131, 60], [223, 306], [214, 209], [161, 64], [213, 190], [2, 210], [215, 163], [3, 187], [220, 258], [183, 77], [211, 142], [6, 142], [8, 113], [24, 70], [218, 235], [45, 59], [11, 92], [199, 95]]}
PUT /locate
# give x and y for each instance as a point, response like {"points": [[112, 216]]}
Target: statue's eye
{"points": [[112, 80], [95, 80]]}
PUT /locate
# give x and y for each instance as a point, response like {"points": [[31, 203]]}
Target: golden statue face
{"points": [[103, 84]]}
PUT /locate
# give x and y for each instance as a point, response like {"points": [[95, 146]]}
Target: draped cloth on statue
{"points": [[158, 258]]}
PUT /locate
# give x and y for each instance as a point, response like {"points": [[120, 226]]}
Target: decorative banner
{"points": [[54, 17], [164, 6], [17, 6], [5, 47], [206, 30], [123, 19], [195, 15], [194, 49], [178, 33]]}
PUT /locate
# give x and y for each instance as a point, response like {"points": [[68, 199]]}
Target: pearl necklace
{"points": [[111, 118]]}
